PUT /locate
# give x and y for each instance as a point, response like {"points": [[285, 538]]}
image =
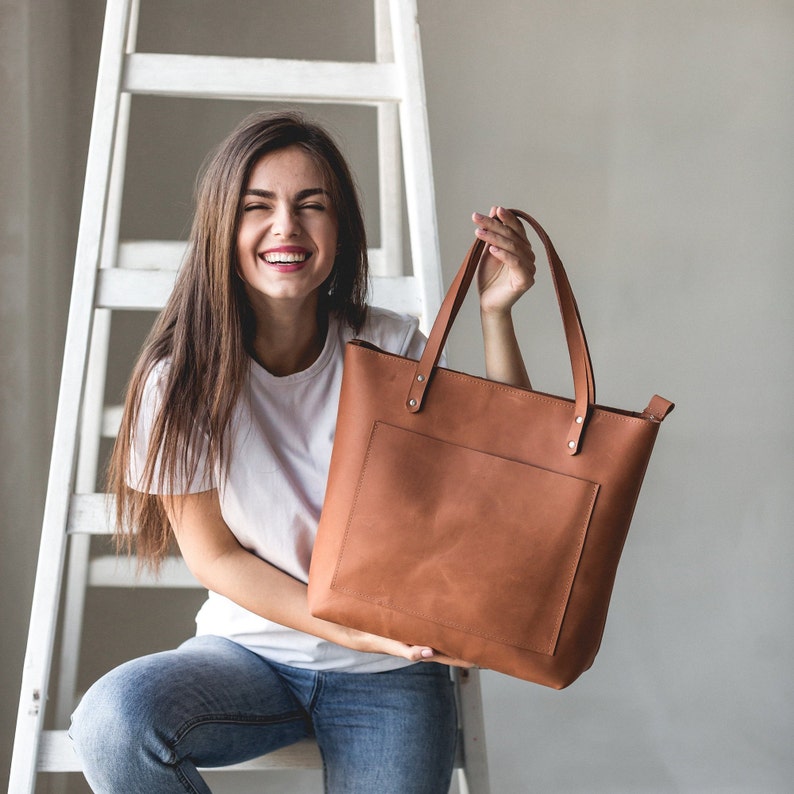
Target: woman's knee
{"points": [[100, 718], [123, 730], [121, 711]]}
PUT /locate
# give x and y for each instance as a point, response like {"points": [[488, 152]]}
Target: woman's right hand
{"points": [[372, 643]]}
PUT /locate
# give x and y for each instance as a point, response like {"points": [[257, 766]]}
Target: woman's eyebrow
{"points": [[299, 196], [312, 191]]}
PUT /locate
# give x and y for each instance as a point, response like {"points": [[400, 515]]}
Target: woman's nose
{"points": [[285, 222]]}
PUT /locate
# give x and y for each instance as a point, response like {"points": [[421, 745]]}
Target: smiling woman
{"points": [[225, 446]]}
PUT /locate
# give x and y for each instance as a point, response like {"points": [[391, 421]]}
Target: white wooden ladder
{"points": [[111, 275]]}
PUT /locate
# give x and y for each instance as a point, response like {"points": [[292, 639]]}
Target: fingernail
{"points": [[479, 217], [427, 653]]}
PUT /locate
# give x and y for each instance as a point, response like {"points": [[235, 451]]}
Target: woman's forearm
{"points": [[505, 272], [263, 589], [503, 359], [216, 558], [221, 564]]}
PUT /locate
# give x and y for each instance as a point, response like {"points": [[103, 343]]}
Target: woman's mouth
{"points": [[286, 259]]}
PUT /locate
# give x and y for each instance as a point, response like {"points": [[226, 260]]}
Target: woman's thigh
{"points": [[153, 720], [393, 732]]}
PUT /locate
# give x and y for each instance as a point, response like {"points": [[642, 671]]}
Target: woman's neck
{"points": [[289, 340]]}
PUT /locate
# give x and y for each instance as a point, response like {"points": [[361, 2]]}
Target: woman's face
{"points": [[287, 237]]}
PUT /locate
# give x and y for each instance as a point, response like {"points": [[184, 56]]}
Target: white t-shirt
{"points": [[280, 441]]}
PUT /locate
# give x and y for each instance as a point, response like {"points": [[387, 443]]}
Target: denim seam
{"points": [[234, 719], [184, 780], [317, 688]]}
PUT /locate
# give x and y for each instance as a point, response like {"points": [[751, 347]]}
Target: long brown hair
{"points": [[205, 331]]}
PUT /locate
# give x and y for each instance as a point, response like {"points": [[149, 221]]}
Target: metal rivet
{"points": [[420, 378], [571, 444], [412, 403], [579, 420]]}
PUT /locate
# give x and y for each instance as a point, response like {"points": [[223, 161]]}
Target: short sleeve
{"points": [[395, 333], [414, 342], [203, 478]]}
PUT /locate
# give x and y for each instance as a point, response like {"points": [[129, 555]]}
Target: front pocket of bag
{"points": [[463, 538]]}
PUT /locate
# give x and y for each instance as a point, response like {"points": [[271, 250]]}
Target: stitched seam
{"points": [[233, 719], [574, 567], [317, 690], [353, 507], [184, 780]]}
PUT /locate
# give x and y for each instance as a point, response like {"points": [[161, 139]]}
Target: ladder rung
{"points": [[126, 288], [57, 755], [223, 77], [134, 289], [121, 571], [111, 420], [151, 254], [91, 514]]}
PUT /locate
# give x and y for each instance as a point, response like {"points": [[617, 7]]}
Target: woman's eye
{"points": [[250, 207], [312, 206]]}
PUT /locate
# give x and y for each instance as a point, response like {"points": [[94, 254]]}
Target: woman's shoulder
{"points": [[389, 330], [152, 385], [155, 375], [386, 321]]}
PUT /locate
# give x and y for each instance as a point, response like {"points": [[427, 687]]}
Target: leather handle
{"points": [[581, 365]]}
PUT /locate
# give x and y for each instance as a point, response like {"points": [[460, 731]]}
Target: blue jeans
{"points": [[146, 726]]}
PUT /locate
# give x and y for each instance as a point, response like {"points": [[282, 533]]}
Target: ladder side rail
{"points": [[420, 194], [389, 160], [46, 594], [473, 773], [80, 544], [391, 261], [75, 584], [78, 563]]}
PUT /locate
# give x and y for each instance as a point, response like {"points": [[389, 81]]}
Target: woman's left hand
{"points": [[507, 267]]}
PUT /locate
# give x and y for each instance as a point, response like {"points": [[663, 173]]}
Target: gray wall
{"points": [[653, 139]]}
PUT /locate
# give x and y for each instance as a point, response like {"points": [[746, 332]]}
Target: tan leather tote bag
{"points": [[483, 520]]}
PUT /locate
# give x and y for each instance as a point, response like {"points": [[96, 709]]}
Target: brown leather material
{"points": [[484, 520]]}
